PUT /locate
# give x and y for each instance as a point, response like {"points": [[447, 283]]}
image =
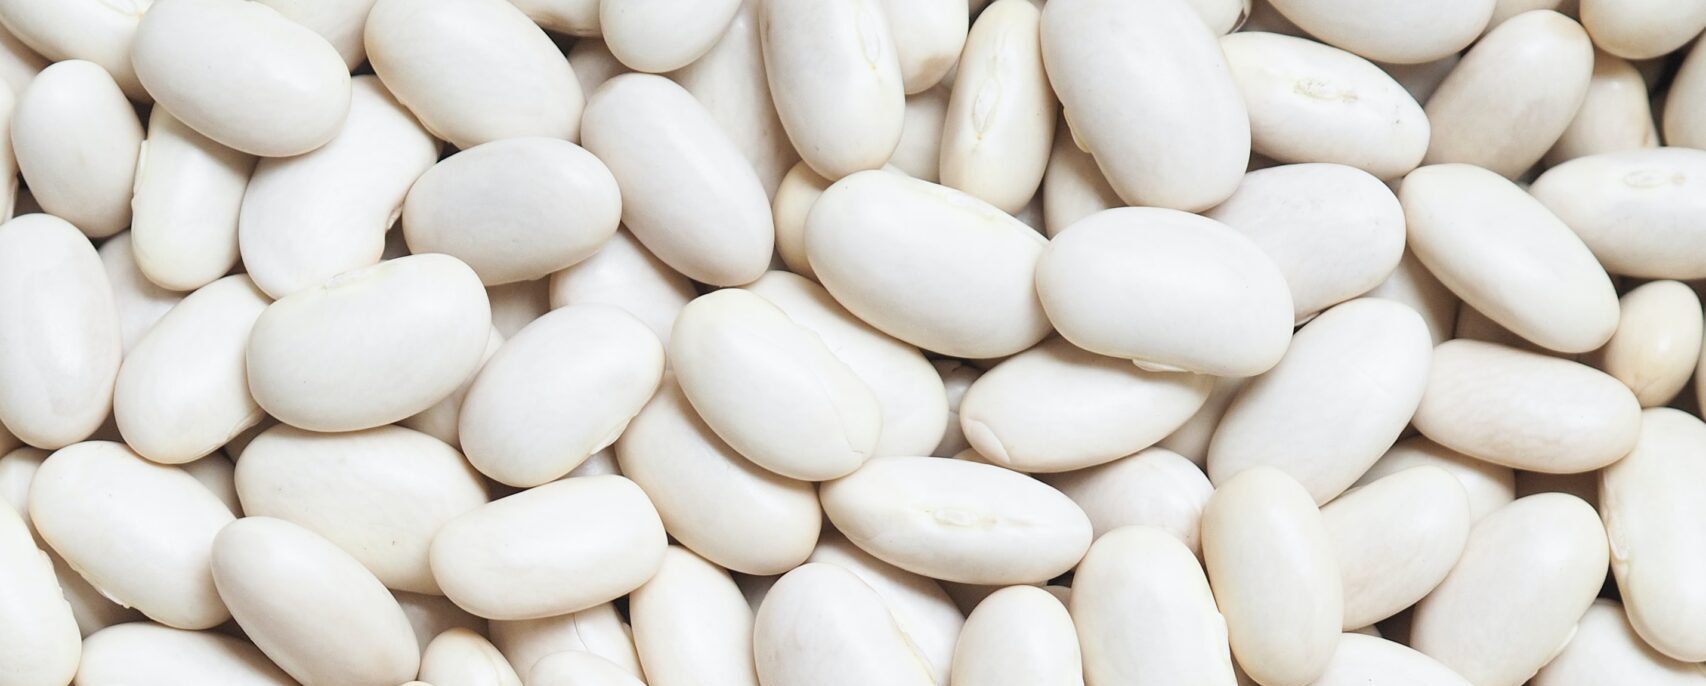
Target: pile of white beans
{"points": [[852, 342]]}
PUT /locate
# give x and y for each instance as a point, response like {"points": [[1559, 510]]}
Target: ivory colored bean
{"points": [[1073, 187], [148, 654], [310, 607], [183, 390], [1155, 488], [1269, 553], [1220, 305], [18, 62], [692, 625], [1188, 151], [1505, 254], [140, 302], [1513, 95], [925, 613], [515, 305], [593, 63], [601, 531], [771, 388], [929, 39], [1423, 78], [17, 469], [820, 625], [1530, 571], [188, 193], [76, 140], [1657, 341], [100, 32], [965, 287], [1372, 661], [1001, 118], [835, 72], [379, 494], [1648, 505], [958, 521], [656, 37], [243, 75], [1395, 539], [1642, 29], [60, 353], [624, 274], [571, 17], [218, 474], [1412, 284], [1682, 124], [730, 82], [140, 532], [562, 389], [1056, 408], [1314, 103], [957, 376], [473, 72], [598, 630], [1526, 410], [306, 219], [1335, 403], [790, 205], [919, 153], [1639, 211], [715, 502], [431, 615], [687, 192], [1615, 115], [1605, 649], [909, 393], [442, 420], [38, 635], [514, 210], [1019, 635], [347, 355], [1488, 485], [576, 668], [340, 22], [1397, 33], [1335, 232], [462, 657], [1144, 613]]}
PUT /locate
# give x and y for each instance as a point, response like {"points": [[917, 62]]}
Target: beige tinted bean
{"points": [[1056, 408], [1001, 117], [515, 305], [593, 63], [1412, 284], [688, 193], [657, 37], [514, 210], [8, 159], [1395, 539], [1642, 29], [771, 388], [624, 274], [1526, 410], [460, 656], [692, 626], [311, 607], [921, 608], [148, 654], [1019, 635], [957, 376], [1488, 485], [140, 302], [598, 630], [1506, 255], [1682, 126], [243, 75], [1188, 154], [790, 205], [1191, 439], [601, 531], [957, 520], [1372, 661], [1226, 310], [919, 154], [571, 17], [1657, 341], [715, 502], [562, 389], [188, 193], [1615, 114], [1313, 103], [820, 625], [1402, 34], [138, 531], [1605, 649], [1144, 613], [442, 420], [218, 474], [379, 494], [1335, 232], [38, 635], [965, 288], [62, 352], [306, 219], [1339, 398], [1513, 95], [18, 62], [76, 140], [1155, 488], [577, 668], [183, 390], [835, 73], [1648, 505], [340, 22], [475, 71], [929, 37], [346, 355], [1073, 187], [1423, 78], [1530, 571], [730, 82], [100, 32], [1639, 211], [1269, 553]]}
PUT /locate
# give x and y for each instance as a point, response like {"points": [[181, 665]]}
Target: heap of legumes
{"points": [[852, 342]]}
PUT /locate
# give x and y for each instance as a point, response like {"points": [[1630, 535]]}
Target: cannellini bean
{"points": [[598, 630], [515, 305], [1412, 284], [189, 191], [38, 635], [1073, 186], [821, 625], [730, 82], [93, 30], [1001, 117], [656, 37], [572, 17], [626, 275], [1647, 503], [76, 140], [443, 420], [431, 615], [692, 625], [925, 612], [140, 302], [1657, 342], [834, 70], [1687, 92], [1019, 635], [148, 654], [1397, 33], [577, 668], [1640, 29], [1144, 613], [1154, 488], [592, 62], [919, 154], [340, 22], [19, 63], [1372, 661], [1606, 649], [1488, 485], [460, 656], [1639, 211], [929, 36], [1615, 114], [1395, 539]]}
